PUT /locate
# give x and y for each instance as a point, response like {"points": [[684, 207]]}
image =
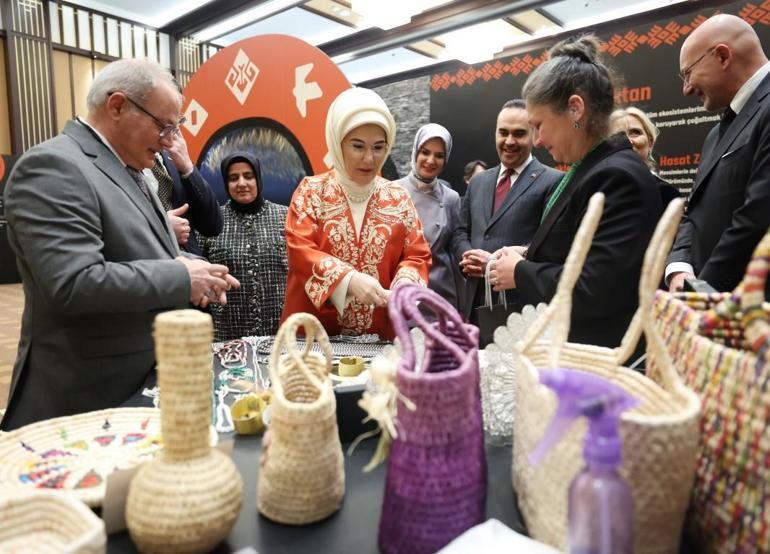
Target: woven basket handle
{"points": [[287, 337], [402, 307], [560, 307], [644, 320]]}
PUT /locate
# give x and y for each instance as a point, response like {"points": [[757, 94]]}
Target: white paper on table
{"points": [[493, 536]]}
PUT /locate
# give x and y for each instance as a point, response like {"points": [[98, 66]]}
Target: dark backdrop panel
{"points": [[8, 271], [645, 58]]}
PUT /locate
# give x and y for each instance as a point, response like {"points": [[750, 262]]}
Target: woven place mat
{"points": [[76, 453]]}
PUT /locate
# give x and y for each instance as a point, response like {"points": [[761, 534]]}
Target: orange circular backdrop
{"points": [[275, 77]]}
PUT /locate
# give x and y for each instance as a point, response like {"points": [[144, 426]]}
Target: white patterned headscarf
{"points": [[351, 109], [423, 135]]}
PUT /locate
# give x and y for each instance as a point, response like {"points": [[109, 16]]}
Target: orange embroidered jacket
{"points": [[322, 248]]}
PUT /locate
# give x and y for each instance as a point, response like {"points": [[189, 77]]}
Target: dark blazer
{"points": [[203, 214], [97, 265], [607, 292], [512, 225], [728, 210]]}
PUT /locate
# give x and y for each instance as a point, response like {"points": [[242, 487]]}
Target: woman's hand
{"points": [[367, 290], [501, 272]]}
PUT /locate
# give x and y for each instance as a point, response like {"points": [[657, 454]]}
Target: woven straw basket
{"points": [[189, 499], [436, 484], [48, 522], [660, 435], [76, 454], [303, 477], [730, 505]]}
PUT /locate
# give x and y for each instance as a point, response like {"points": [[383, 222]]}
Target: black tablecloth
{"points": [[351, 530]]}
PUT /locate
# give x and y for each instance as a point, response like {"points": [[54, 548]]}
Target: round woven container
{"points": [[77, 453], [189, 499], [303, 478], [48, 522]]}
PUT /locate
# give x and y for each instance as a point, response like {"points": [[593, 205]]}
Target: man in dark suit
{"points": [[503, 204], [729, 206], [186, 196], [96, 252]]}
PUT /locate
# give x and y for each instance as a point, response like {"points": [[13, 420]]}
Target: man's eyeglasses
{"points": [[684, 75], [165, 129]]}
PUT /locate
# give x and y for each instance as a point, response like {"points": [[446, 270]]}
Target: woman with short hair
{"points": [[642, 133], [569, 101]]}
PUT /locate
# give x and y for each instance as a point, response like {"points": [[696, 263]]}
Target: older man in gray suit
{"points": [[503, 204], [96, 253]]}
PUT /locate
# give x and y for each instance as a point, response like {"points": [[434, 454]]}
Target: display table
{"points": [[351, 530]]}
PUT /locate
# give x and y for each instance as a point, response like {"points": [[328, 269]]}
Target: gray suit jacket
{"points": [[97, 264], [728, 211], [514, 223], [439, 213]]}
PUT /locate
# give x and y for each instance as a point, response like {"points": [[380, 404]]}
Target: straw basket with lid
{"points": [[303, 477], [189, 499]]}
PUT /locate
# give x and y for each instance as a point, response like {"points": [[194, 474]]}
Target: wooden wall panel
{"points": [[5, 114], [82, 76], [63, 87]]}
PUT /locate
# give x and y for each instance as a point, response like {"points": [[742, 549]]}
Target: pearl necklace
{"points": [[358, 198]]}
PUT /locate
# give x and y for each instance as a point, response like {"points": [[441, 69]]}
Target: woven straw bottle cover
{"points": [[303, 477], [680, 423], [189, 499]]}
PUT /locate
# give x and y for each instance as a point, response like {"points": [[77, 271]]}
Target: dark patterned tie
{"points": [[502, 189], [727, 117], [165, 184], [138, 178]]}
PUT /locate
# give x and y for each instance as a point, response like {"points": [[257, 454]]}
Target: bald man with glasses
{"points": [[722, 62], [96, 252]]}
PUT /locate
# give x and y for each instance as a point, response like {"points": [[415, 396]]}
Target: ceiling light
{"points": [[261, 11], [378, 13], [480, 42]]}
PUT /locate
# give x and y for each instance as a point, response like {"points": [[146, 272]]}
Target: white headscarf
{"points": [[351, 109], [423, 135]]}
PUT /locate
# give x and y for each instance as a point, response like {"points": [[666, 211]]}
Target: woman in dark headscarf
{"points": [[253, 246]]}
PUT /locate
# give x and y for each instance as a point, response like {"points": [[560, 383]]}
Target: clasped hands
{"points": [[503, 265], [208, 282]]}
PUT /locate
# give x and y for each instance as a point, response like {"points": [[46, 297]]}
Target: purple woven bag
{"points": [[436, 482]]}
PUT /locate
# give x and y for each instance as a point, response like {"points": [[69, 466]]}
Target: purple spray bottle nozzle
{"points": [[593, 397]]}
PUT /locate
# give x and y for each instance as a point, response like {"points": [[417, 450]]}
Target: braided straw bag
{"points": [[48, 522], [730, 505], [303, 477], [660, 435], [189, 499], [435, 487]]}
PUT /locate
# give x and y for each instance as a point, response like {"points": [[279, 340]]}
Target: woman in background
{"points": [[438, 207], [252, 245], [569, 101], [642, 133], [352, 235]]}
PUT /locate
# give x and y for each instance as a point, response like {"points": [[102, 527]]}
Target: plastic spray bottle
{"points": [[600, 509]]}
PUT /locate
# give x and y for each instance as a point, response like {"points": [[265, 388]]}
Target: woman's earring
{"points": [[576, 125]]}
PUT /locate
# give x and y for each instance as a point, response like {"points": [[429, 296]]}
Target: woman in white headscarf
{"points": [[438, 207], [351, 235]]}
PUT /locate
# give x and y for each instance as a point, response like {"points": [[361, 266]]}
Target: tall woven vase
{"points": [[189, 499], [660, 435], [435, 487], [303, 477]]}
